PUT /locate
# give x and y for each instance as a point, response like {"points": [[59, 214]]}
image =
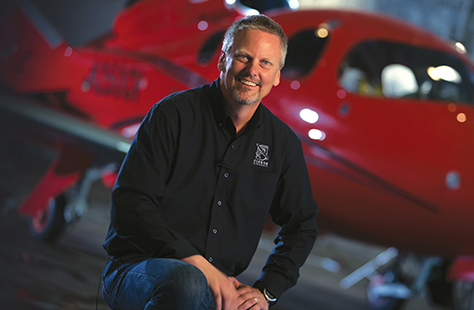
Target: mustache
{"points": [[248, 78]]}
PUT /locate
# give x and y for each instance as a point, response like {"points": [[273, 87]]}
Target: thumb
{"points": [[236, 283]]}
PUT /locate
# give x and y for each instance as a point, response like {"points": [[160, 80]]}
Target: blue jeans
{"points": [[137, 282]]}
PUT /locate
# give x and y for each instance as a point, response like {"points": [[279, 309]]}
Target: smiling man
{"points": [[192, 196], [250, 67]]}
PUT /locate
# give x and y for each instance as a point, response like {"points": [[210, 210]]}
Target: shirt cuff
{"points": [[275, 283]]}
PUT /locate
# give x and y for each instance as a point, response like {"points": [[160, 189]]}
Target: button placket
{"points": [[224, 182]]}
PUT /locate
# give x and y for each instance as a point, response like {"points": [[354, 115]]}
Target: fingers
{"points": [[236, 283], [251, 298], [218, 300], [254, 303], [226, 295]]}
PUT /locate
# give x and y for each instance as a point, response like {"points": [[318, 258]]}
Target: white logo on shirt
{"points": [[261, 156]]}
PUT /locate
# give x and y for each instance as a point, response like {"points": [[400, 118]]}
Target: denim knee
{"points": [[183, 287], [187, 282], [156, 284]]}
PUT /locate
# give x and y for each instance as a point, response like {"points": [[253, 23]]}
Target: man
{"points": [[192, 195]]}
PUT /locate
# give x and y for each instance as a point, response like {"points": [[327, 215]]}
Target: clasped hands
{"points": [[229, 293], [239, 297]]}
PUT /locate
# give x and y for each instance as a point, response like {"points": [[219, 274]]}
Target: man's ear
{"points": [[221, 63], [276, 81]]}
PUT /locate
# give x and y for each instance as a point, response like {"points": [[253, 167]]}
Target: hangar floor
{"points": [[35, 275]]}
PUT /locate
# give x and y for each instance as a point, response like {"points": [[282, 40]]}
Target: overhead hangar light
{"points": [[322, 32], [309, 116], [460, 48], [445, 73], [203, 25], [317, 134], [294, 4]]}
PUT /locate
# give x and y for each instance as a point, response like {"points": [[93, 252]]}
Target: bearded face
{"points": [[251, 67]]}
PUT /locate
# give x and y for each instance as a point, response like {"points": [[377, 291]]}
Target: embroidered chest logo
{"points": [[261, 156]]}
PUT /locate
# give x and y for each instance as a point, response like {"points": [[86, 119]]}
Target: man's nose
{"points": [[253, 68]]}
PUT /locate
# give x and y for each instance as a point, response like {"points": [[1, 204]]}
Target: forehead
{"points": [[258, 41]]}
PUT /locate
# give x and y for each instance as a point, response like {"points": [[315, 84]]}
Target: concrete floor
{"points": [[36, 275]]}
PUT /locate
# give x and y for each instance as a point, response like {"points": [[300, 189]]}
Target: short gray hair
{"points": [[256, 22]]}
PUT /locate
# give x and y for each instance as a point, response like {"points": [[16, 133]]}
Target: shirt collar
{"points": [[218, 104], [221, 114]]}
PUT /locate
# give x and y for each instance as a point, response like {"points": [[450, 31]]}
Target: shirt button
{"points": [[214, 231], [219, 203], [226, 175], [211, 259], [233, 146]]}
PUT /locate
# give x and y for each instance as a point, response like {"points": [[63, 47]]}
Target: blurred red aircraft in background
{"points": [[384, 110]]}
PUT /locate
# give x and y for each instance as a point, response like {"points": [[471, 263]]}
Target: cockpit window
{"points": [[393, 70], [210, 47], [265, 5], [304, 49]]}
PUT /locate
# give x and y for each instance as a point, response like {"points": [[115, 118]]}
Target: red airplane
{"points": [[384, 110]]}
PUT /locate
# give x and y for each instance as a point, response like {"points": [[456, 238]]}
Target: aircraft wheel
{"points": [[463, 295], [49, 223], [378, 302]]}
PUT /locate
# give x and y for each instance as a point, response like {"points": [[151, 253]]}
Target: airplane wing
{"points": [[75, 145], [22, 117]]}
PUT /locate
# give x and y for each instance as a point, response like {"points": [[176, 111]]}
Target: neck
{"points": [[241, 115]]}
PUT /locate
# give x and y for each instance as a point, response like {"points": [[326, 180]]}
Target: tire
{"points": [[49, 223], [463, 293]]}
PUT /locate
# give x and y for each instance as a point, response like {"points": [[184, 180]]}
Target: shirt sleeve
{"points": [[140, 185], [295, 210]]}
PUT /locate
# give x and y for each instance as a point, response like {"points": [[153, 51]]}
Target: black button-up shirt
{"points": [[189, 186]]}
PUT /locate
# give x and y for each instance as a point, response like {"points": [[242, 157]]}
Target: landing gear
{"points": [[386, 291], [463, 293], [403, 277], [48, 223], [66, 209]]}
